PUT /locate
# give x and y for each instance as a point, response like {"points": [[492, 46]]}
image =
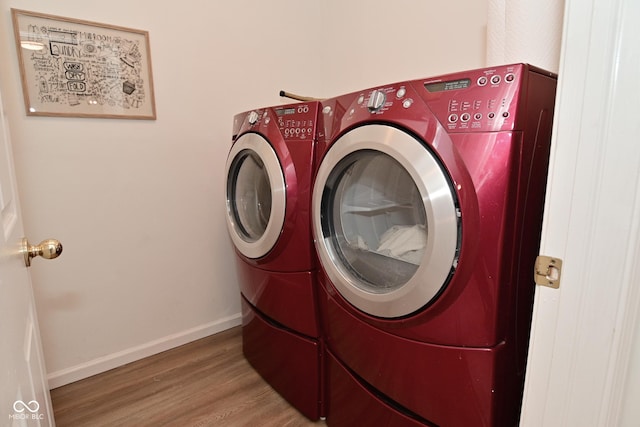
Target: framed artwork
{"points": [[75, 68]]}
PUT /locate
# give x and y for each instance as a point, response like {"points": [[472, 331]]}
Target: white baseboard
{"points": [[105, 363]]}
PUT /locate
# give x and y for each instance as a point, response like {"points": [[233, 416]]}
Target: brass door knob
{"points": [[48, 249]]}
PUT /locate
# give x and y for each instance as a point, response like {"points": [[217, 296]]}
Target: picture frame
{"points": [[77, 68]]}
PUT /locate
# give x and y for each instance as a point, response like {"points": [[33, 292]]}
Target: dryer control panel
{"points": [[297, 121], [291, 122]]}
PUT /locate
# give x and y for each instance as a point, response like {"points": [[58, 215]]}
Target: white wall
{"points": [[139, 205], [368, 43]]}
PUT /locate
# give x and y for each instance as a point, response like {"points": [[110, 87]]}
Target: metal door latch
{"points": [[548, 271]]}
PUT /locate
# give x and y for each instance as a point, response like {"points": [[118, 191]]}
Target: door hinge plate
{"points": [[548, 271]]}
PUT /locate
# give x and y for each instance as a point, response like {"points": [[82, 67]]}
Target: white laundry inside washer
{"points": [[406, 243]]}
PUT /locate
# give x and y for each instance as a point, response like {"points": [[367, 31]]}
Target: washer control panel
{"points": [[481, 100]]}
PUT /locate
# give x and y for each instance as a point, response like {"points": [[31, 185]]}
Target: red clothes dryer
{"points": [[426, 211], [268, 188]]}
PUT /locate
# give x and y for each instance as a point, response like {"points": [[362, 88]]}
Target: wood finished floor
{"points": [[204, 383]]}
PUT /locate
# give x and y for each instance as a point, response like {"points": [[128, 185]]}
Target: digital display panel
{"points": [[451, 85], [285, 111]]}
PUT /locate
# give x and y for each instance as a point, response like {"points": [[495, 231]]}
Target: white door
{"points": [[24, 393]]}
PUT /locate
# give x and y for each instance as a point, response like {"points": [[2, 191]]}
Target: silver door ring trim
{"points": [[442, 221], [260, 247]]}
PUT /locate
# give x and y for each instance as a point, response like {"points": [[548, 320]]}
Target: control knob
{"points": [[253, 117], [376, 100]]}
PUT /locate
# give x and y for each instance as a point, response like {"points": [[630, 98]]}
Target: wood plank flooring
{"points": [[204, 383]]}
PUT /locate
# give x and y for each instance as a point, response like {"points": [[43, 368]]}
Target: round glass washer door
{"points": [[256, 195], [385, 221]]}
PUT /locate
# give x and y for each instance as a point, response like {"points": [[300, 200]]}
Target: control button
{"points": [[495, 80], [491, 115], [376, 100], [327, 109], [482, 81], [453, 118], [267, 120], [465, 117], [477, 116], [401, 92], [505, 114], [407, 103], [360, 99], [509, 78], [253, 117]]}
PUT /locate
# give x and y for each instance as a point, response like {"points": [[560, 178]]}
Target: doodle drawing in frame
{"points": [[77, 68]]}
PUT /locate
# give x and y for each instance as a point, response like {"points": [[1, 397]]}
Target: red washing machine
{"points": [[426, 212], [268, 186]]}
